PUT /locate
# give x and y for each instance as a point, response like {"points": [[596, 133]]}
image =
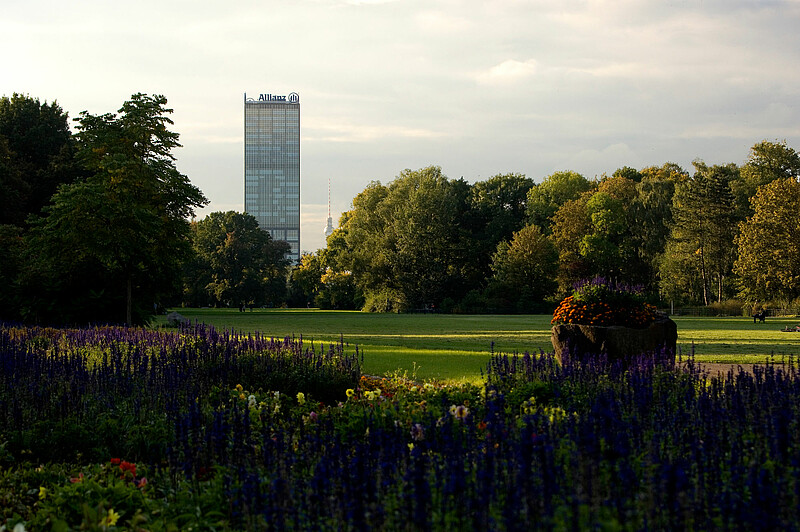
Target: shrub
{"points": [[729, 307], [385, 300], [473, 302]]}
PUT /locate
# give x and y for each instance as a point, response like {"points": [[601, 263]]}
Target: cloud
{"points": [[344, 132], [442, 22], [591, 162], [733, 130], [508, 72], [367, 2]]}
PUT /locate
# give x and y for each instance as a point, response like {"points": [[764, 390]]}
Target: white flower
{"points": [[459, 412]]}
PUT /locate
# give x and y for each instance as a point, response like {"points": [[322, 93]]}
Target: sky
{"points": [[479, 88]]}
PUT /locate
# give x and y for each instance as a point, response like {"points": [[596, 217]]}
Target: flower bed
{"points": [[125, 429], [605, 303]]}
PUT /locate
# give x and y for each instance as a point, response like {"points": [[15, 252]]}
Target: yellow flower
{"points": [[301, 398], [350, 392], [42, 493], [239, 388], [110, 519]]}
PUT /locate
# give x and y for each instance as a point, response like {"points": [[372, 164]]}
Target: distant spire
{"points": [[329, 227]]}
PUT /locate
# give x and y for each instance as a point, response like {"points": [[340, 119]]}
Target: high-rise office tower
{"points": [[272, 165]]}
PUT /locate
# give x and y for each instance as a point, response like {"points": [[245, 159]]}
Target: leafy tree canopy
{"points": [[237, 262], [120, 236], [548, 196], [768, 264], [525, 268], [36, 155], [701, 241]]}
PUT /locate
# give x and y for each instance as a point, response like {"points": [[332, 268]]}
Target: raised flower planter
{"points": [[603, 317], [615, 341]]}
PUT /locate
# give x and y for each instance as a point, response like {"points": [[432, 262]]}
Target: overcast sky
{"points": [[477, 87]]}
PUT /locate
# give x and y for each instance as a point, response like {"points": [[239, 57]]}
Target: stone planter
{"points": [[618, 343]]}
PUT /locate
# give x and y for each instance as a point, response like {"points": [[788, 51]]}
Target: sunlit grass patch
{"points": [[456, 347]]}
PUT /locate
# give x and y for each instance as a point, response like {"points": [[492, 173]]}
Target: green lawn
{"points": [[456, 347]]}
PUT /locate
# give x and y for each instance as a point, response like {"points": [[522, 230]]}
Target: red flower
{"points": [[115, 461], [127, 466]]}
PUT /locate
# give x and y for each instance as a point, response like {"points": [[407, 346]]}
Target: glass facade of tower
{"points": [[272, 166]]}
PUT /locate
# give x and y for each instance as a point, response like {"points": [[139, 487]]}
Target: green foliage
{"points": [[475, 302], [306, 279], [701, 249], [767, 162], [651, 219], [385, 300], [111, 245], [497, 210], [36, 155], [607, 246], [729, 307], [11, 249], [235, 263], [768, 264], [98, 497], [547, 197], [602, 291], [407, 239], [338, 291], [571, 223], [524, 269], [628, 173]]}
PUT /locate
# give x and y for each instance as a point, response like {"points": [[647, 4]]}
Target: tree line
{"points": [[97, 226], [509, 244]]}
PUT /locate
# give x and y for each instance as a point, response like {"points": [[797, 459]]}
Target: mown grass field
{"points": [[456, 347]]}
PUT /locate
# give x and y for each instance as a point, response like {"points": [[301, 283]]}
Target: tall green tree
{"points": [[701, 241], [123, 232], [36, 155], [306, 279], [651, 219], [524, 269], [548, 196], [236, 262], [498, 209], [607, 246], [768, 264], [571, 223], [766, 162], [407, 239], [628, 173]]}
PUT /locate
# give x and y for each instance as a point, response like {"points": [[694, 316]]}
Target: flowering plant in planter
{"points": [[603, 302]]}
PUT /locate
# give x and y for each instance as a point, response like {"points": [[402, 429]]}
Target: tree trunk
{"points": [[703, 277]]}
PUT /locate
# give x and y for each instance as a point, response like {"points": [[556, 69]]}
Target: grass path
{"points": [[455, 347]]}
